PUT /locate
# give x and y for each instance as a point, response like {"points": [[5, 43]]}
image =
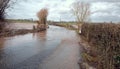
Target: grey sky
{"points": [[107, 10]]}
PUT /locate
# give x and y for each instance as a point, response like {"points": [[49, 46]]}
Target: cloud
{"points": [[99, 0], [105, 10]]}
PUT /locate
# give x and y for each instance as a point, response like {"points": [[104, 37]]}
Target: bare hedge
{"points": [[106, 40]]}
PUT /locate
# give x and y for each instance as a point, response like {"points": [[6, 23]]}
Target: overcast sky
{"points": [[107, 10]]}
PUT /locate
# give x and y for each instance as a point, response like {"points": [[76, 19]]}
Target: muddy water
{"points": [[21, 25], [56, 48]]}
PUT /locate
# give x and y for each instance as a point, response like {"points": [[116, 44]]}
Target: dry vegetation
{"points": [[42, 15], [104, 40]]}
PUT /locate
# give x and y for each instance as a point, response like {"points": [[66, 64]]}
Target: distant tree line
{"points": [[21, 20]]}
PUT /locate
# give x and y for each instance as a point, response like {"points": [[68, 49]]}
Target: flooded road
{"points": [[56, 48]]}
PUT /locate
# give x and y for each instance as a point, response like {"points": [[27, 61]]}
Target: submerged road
{"points": [[56, 48]]}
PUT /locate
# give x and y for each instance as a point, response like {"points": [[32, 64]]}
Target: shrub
{"points": [[106, 40]]}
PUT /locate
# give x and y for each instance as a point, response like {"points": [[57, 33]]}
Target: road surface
{"points": [[56, 48]]}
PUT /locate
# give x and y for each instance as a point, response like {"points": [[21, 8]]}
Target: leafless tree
{"points": [[81, 11], [42, 15], [4, 4]]}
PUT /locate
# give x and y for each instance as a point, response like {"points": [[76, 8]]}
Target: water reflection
{"points": [[17, 49], [31, 49], [41, 35], [2, 40]]}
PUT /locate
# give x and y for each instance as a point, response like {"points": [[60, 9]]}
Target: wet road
{"points": [[56, 48]]}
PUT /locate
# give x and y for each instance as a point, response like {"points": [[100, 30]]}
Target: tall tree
{"points": [[81, 11]]}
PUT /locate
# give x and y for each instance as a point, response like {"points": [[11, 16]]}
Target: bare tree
{"points": [[4, 4], [81, 11], [42, 15]]}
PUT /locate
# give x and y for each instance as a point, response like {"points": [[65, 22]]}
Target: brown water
{"points": [[21, 25], [56, 48]]}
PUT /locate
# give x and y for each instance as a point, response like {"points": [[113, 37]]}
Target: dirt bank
{"points": [[13, 32], [19, 29]]}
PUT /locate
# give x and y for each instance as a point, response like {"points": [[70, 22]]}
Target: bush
{"points": [[106, 40]]}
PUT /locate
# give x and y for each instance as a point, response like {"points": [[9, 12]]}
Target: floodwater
{"points": [[56, 48]]}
